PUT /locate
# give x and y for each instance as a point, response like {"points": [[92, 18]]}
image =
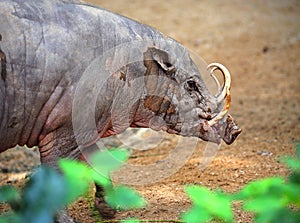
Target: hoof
{"points": [[105, 211]]}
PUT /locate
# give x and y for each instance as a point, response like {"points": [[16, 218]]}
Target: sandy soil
{"points": [[259, 41]]}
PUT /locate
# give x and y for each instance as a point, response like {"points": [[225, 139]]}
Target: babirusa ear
{"points": [[161, 58]]}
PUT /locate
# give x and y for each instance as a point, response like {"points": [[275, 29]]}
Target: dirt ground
{"points": [[259, 42]]}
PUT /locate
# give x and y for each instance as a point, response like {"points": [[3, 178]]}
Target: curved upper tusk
{"points": [[227, 78], [225, 92], [214, 77]]}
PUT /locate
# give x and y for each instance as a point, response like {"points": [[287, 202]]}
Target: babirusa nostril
{"points": [[233, 135]]}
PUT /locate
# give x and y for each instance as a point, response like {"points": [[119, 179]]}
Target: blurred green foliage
{"points": [[207, 205], [47, 191], [272, 200]]}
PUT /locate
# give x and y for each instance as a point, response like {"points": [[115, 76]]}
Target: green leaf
{"points": [[261, 187], [283, 215], [264, 204], [124, 198], [131, 220], [293, 164], [269, 197], [294, 178], [8, 194], [42, 215], [217, 205], [273, 190], [43, 195], [291, 193], [10, 218], [46, 184], [196, 215], [109, 160], [74, 168], [100, 179], [77, 177]]}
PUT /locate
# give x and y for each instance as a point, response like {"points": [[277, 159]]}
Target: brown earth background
{"points": [[259, 42]]}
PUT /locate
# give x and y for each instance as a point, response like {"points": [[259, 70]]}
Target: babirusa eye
{"points": [[192, 85]]}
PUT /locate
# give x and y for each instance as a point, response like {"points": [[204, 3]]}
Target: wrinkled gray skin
{"points": [[45, 49]]}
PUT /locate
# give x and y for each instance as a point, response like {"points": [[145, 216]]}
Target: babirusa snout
{"points": [[224, 94]]}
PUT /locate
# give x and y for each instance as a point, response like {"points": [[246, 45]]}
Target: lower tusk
{"points": [[221, 115]]}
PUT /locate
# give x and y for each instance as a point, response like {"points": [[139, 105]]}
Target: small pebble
{"points": [[264, 153]]}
